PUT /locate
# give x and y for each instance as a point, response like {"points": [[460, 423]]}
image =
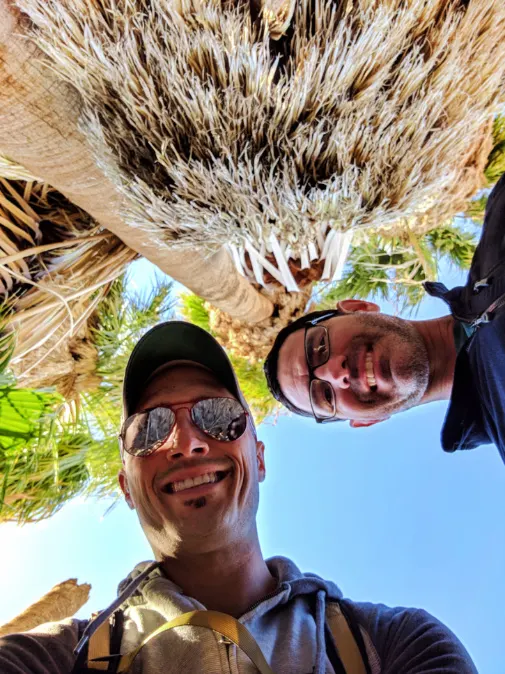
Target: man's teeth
{"points": [[370, 378], [194, 482]]}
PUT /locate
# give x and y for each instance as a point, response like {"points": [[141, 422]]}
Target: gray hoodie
{"points": [[288, 625]]}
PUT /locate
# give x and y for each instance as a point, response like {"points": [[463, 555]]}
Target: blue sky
{"points": [[382, 511]]}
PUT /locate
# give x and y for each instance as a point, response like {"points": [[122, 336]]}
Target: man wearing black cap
{"points": [[355, 363], [210, 603]]}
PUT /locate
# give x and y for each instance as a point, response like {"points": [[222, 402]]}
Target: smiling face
{"points": [[193, 492], [378, 365]]}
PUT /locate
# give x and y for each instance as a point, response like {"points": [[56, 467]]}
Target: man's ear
{"points": [[355, 423], [260, 458], [350, 306], [123, 483]]}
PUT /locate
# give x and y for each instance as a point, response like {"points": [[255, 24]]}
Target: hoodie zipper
{"points": [[277, 591], [229, 645], [233, 668]]}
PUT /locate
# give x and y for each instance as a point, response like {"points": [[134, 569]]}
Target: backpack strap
{"points": [[99, 647], [95, 656], [222, 623], [345, 647], [104, 616]]}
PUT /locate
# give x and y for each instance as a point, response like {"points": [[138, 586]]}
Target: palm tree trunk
{"points": [[39, 129], [63, 601]]}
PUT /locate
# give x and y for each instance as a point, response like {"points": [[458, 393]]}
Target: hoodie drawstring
{"points": [[320, 616]]}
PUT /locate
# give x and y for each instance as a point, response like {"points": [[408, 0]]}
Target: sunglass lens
{"points": [[223, 419], [316, 346], [144, 431]]}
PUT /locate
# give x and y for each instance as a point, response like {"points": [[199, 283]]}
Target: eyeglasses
{"points": [[222, 419], [317, 353]]}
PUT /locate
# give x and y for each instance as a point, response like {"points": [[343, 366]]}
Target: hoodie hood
{"points": [[288, 624], [292, 581]]}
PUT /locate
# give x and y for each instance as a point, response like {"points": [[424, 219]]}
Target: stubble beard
{"points": [[411, 368]]}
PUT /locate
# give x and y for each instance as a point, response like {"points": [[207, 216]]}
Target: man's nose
{"points": [[335, 371], [185, 441]]}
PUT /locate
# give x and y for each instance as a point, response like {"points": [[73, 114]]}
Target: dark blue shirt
{"points": [[476, 410], [476, 413]]}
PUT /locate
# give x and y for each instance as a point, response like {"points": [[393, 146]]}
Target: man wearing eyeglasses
{"points": [[355, 363], [210, 603]]}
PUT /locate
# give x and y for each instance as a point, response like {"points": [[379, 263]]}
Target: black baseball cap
{"points": [[170, 341]]}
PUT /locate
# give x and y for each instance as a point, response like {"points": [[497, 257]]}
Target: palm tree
{"points": [[39, 119], [273, 149], [51, 450], [150, 152]]}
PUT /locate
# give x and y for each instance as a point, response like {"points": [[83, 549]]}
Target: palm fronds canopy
{"points": [[275, 137], [56, 266], [52, 449]]}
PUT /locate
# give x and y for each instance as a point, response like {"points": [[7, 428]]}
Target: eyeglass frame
{"points": [[313, 377], [180, 406]]}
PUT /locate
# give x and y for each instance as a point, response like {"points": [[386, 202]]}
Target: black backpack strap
{"points": [[116, 634], [82, 658]]}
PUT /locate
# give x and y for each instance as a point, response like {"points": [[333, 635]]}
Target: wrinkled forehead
{"points": [[180, 381]]}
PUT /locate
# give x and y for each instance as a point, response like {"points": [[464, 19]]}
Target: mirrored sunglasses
{"points": [[222, 419]]}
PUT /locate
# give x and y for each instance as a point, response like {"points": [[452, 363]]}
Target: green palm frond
{"points": [[193, 310], [476, 209], [250, 375], [51, 451], [394, 269], [41, 458], [495, 168], [496, 163], [122, 318], [453, 243]]}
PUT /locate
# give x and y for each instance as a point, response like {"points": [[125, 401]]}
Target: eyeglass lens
{"points": [[317, 351], [223, 419], [143, 431], [317, 348], [322, 398]]}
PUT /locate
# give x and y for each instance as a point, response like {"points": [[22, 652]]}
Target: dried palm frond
{"points": [[278, 131], [56, 265], [62, 601], [11, 170]]}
